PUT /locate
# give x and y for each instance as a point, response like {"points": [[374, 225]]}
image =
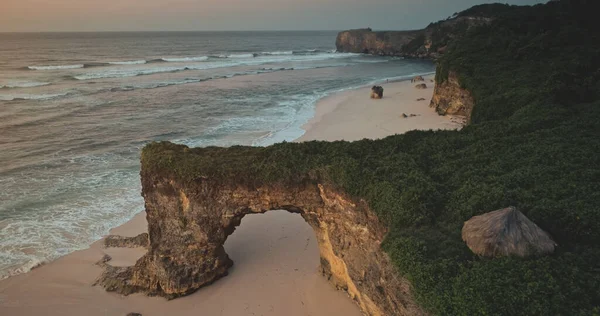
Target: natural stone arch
{"points": [[188, 224]]}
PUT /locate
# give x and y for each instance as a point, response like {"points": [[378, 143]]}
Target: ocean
{"points": [[76, 109]]}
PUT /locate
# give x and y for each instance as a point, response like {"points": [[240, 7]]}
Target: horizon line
{"points": [[166, 31]]}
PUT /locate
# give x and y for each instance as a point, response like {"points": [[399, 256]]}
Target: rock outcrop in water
{"points": [[190, 219]]}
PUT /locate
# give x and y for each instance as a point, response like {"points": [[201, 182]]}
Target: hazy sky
{"points": [[206, 15]]}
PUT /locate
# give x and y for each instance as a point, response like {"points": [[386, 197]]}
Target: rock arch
{"points": [[188, 224]]}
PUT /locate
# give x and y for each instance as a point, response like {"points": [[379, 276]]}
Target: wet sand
{"points": [[275, 254]]}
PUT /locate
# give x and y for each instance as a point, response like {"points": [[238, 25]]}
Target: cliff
{"points": [[391, 43], [450, 98], [430, 42]]}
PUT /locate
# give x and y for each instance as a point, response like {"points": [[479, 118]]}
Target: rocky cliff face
{"points": [[450, 98], [189, 222], [376, 43], [430, 42]]}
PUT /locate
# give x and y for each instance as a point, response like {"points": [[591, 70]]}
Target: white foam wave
{"points": [[240, 56], [185, 59], [56, 67], [23, 84], [57, 226], [280, 123], [12, 97], [123, 73], [162, 84], [132, 62], [155, 85], [277, 53], [30, 263]]}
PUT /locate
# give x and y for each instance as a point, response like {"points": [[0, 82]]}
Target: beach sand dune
{"points": [[275, 254]]}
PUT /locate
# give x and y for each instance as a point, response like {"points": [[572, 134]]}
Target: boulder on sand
{"points": [[506, 232], [376, 92], [421, 86], [417, 79]]}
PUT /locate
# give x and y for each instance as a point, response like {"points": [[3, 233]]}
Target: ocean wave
{"points": [[156, 85], [23, 84], [30, 263], [280, 123], [239, 61], [16, 97], [152, 61], [185, 59], [56, 67], [124, 73], [131, 62], [276, 53], [280, 53], [249, 55], [60, 226], [163, 84], [193, 59]]}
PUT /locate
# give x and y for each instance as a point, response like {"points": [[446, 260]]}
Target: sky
{"points": [[223, 15]]}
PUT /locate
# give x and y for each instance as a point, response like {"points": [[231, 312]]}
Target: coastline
{"points": [[352, 115], [273, 254]]}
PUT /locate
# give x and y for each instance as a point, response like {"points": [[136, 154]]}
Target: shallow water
{"points": [[76, 108]]}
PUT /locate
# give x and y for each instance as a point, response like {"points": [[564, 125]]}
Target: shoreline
{"points": [[273, 253], [352, 115]]}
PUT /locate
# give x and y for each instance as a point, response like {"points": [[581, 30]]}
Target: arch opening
{"points": [[189, 223], [276, 266]]}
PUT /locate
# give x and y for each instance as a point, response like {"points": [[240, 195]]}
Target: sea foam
{"points": [[238, 61], [56, 67], [131, 62], [250, 55], [185, 59], [14, 97], [23, 84]]}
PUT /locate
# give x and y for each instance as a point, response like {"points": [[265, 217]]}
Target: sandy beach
{"points": [[275, 254], [352, 115]]}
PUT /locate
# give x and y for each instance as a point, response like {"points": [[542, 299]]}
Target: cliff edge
{"points": [[430, 42]]}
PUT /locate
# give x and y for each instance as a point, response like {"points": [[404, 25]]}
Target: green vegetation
{"points": [[534, 143], [415, 44]]}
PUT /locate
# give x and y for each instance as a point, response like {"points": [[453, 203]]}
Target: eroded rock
{"points": [[449, 98], [104, 261], [115, 241], [377, 92], [421, 86], [188, 223], [417, 79], [506, 232]]}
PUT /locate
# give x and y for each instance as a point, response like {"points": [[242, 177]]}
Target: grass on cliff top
{"points": [[534, 143]]}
